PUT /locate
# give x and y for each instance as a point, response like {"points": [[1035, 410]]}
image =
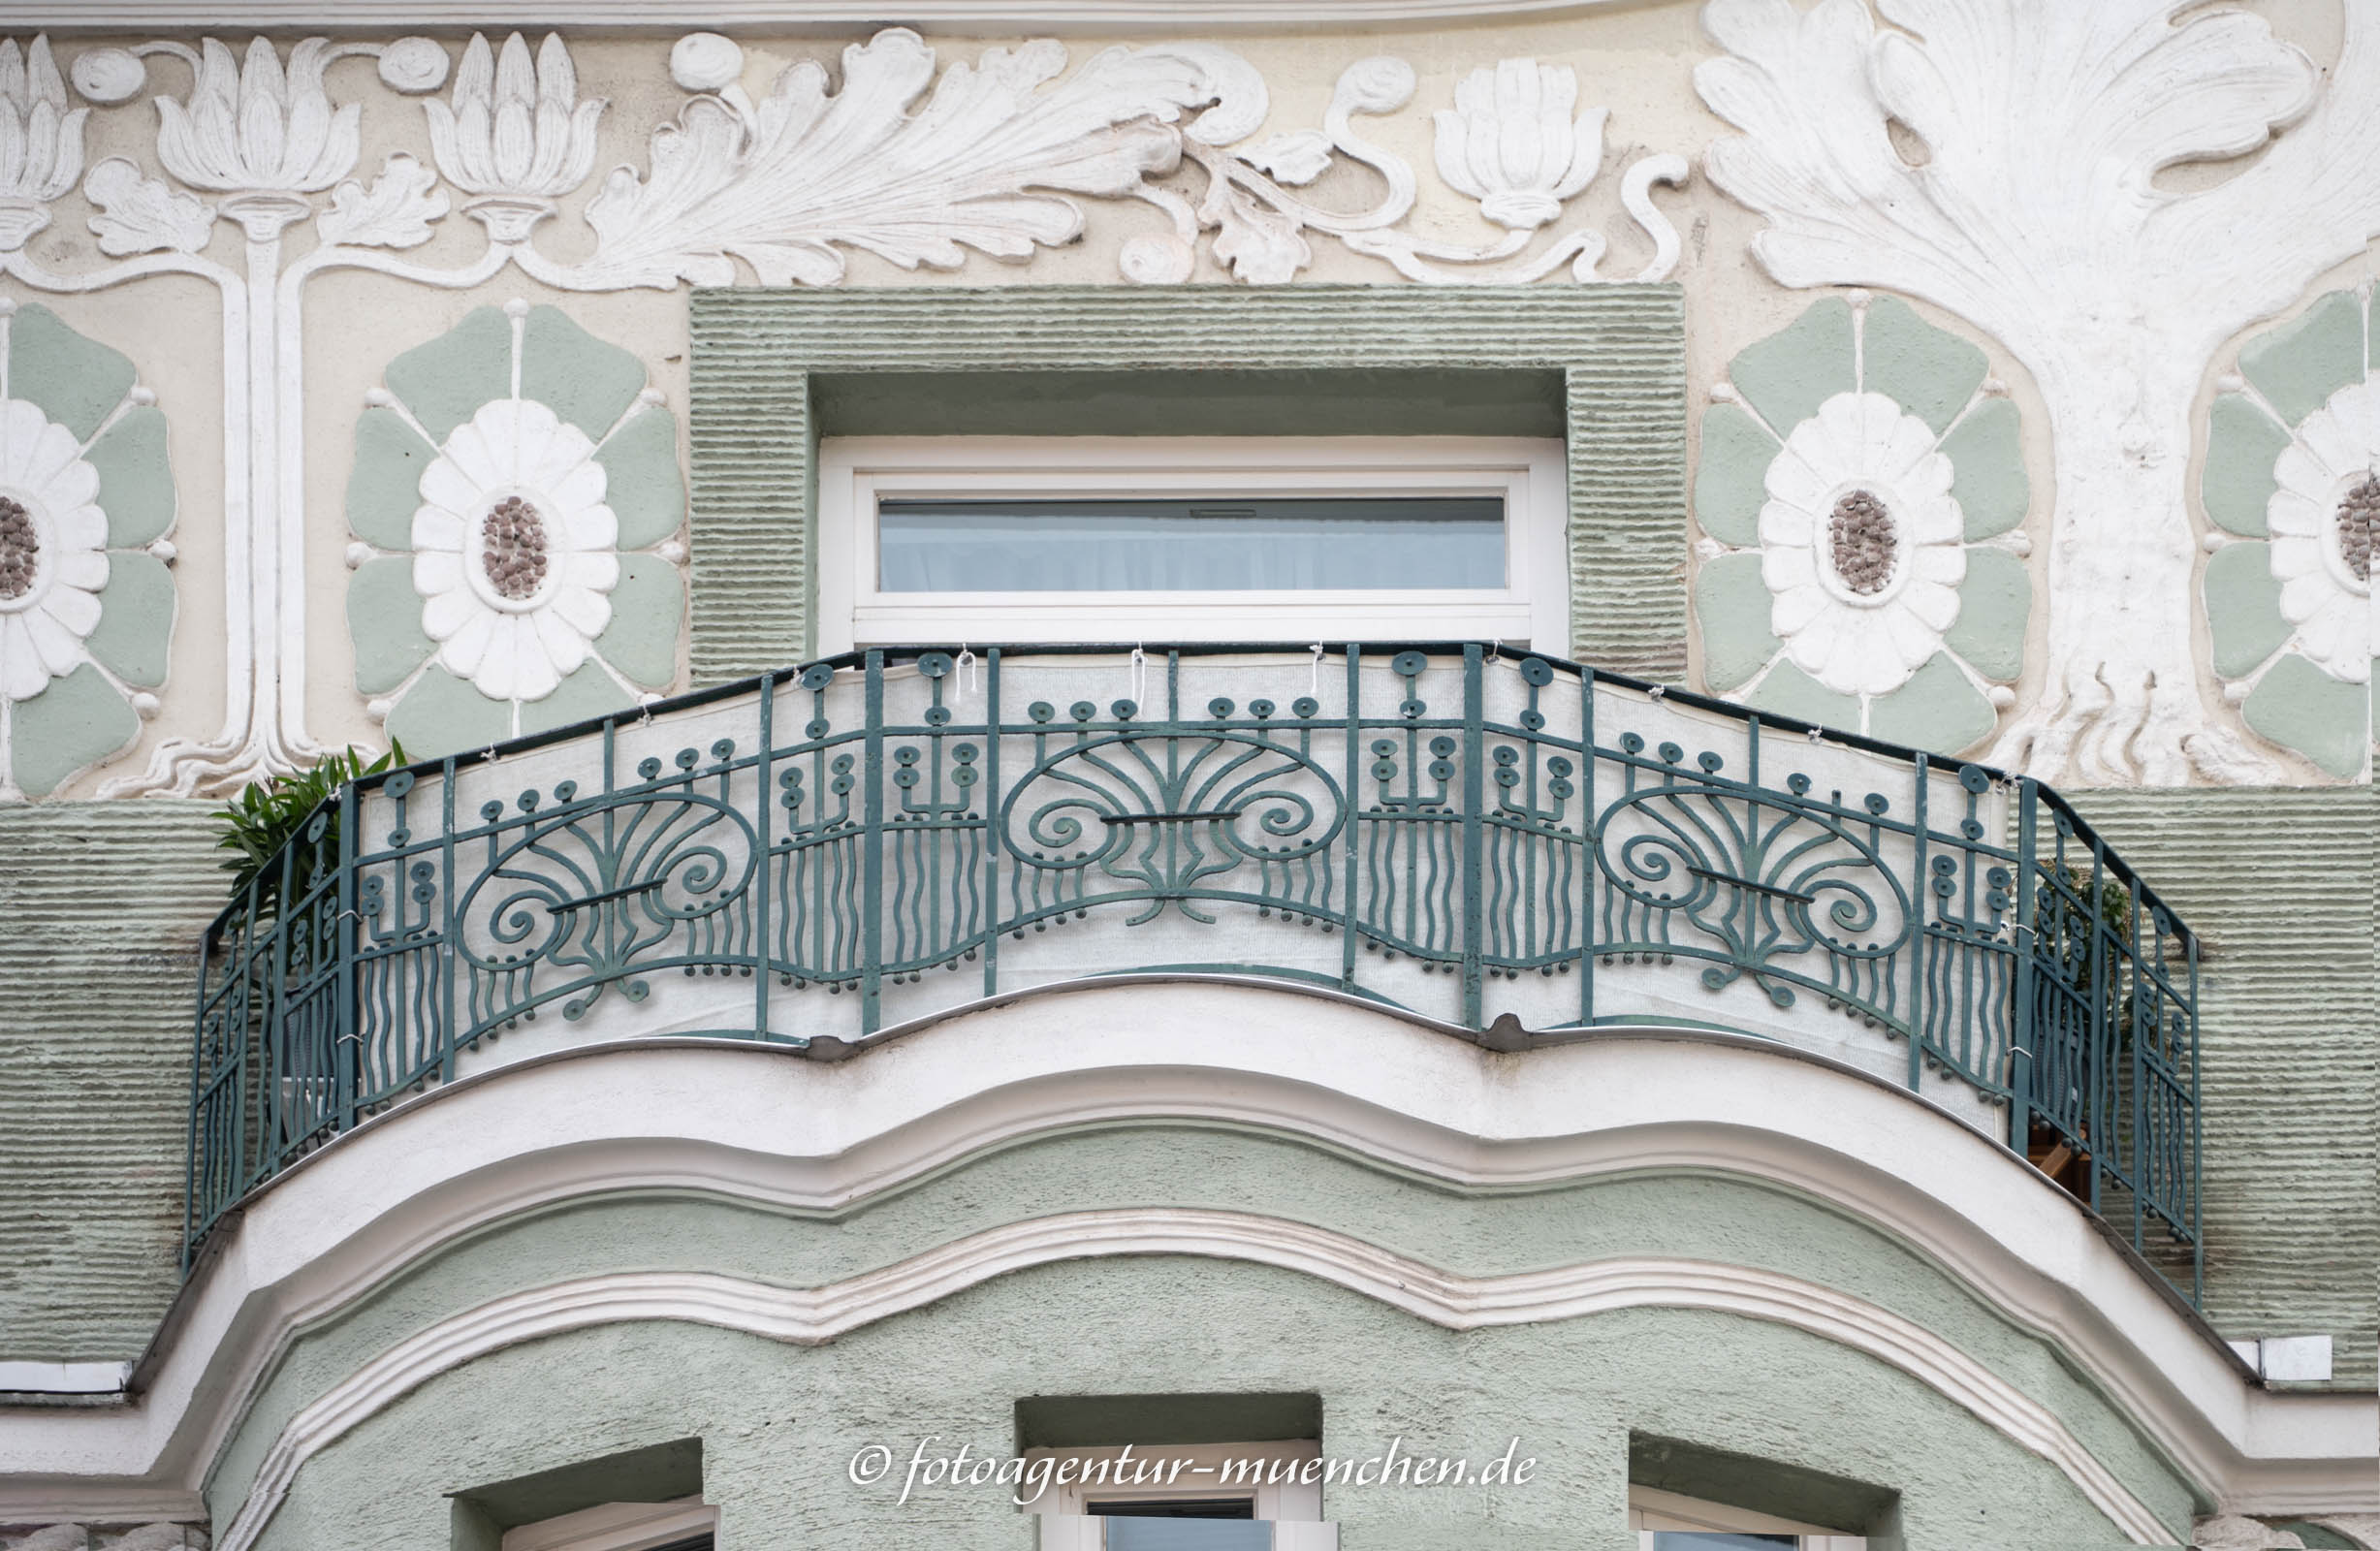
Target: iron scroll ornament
{"points": [[596, 889], [1161, 813], [1765, 876]]}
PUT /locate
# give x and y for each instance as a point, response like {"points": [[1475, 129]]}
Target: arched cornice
{"points": [[977, 18], [758, 1124]]}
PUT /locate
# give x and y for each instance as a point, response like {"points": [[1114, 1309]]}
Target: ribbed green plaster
{"points": [[1929, 371], [1621, 349], [642, 483], [1939, 709], [2282, 883], [384, 490], [582, 379], [443, 715], [1790, 692], [2237, 482], [135, 480], [104, 903], [1789, 374], [1989, 481], [2300, 707], [135, 620], [78, 720], [1715, 1386], [2302, 364], [1731, 482], [72, 380], [587, 692], [1732, 605], [384, 616], [1994, 602], [2244, 608], [445, 381]]}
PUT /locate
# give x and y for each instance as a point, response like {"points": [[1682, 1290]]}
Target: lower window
{"points": [[1664, 1521]]}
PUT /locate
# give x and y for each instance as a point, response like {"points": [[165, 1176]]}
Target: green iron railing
{"points": [[1459, 831]]}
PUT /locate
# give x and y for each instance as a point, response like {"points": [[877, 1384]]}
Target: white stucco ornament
{"points": [[40, 141], [516, 133], [255, 126], [2323, 517], [1512, 143], [2000, 158], [1860, 544], [52, 551], [513, 550]]}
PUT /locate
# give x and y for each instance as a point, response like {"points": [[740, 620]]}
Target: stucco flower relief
{"points": [[516, 507], [87, 604], [1860, 484], [2292, 482]]}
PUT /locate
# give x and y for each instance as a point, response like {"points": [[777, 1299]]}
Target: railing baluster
{"points": [[871, 886], [1350, 909], [1474, 757], [764, 805], [2022, 1036]]}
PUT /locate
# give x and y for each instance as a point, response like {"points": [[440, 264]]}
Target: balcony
{"points": [[1515, 846]]}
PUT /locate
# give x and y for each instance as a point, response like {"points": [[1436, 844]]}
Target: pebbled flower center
{"points": [[2359, 527], [1862, 543], [20, 550], [513, 548]]}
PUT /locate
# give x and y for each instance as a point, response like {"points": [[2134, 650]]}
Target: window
{"points": [[1175, 1497], [1664, 1521], [952, 539], [685, 1525]]}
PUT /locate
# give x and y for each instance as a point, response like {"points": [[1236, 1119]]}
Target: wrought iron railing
{"points": [[1501, 841]]}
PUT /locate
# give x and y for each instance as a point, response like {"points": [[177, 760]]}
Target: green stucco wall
{"points": [[761, 358], [101, 906], [2282, 884], [779, 1423]]}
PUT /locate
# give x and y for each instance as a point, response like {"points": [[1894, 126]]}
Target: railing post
{"points": [[991, 820], [1590, 847], [2102, 1026], [345, 1034], [2198, 1238], [871, 886], [1474, 755], [764, 798], [2138, 1002], [2020, 1025], [1350, 905], [450, 945], [1917, 934], [192, 1173]]}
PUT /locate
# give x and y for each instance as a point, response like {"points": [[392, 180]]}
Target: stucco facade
{"points": [[1877, 1010]]}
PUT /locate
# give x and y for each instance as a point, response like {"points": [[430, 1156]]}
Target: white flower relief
{"points": [[2323, 517], [1861, 545], [514, 550], [52, 551]]}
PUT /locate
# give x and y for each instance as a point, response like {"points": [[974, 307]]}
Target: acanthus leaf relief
{"points": [[2033, 212], [918, 163]]}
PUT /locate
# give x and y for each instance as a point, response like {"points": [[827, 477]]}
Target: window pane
{"points": [[1220, 545], [1188, 1535]]}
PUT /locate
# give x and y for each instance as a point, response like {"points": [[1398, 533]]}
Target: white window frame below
{"points": [[1651, 1510], [1294, 1509], [617, 1526], [1531, 611]]}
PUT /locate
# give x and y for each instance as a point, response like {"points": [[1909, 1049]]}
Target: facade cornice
{"points": [[756, 1123], [981, 17]]}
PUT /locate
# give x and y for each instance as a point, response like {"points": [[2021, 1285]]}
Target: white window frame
{"points": [[1650, 1510], [1531, 611], [617, 1526], [1294, 1509]]}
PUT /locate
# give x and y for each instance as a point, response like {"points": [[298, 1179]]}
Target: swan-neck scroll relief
{"points": [[919, 163]]}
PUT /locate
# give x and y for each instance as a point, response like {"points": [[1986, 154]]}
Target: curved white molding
{"points": [[758, 1124], [811, 1314], [978, 18]]}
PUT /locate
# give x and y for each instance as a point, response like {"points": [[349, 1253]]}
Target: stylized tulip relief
{"points": [[517, 133], [1512, 143], [256, 127], [40, 141]]}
